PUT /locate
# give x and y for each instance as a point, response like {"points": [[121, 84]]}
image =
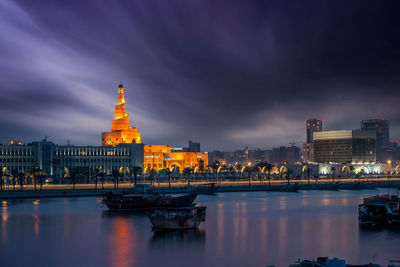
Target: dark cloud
{"points": [[227, 74]]}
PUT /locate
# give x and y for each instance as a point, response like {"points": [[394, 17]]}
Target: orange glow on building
{"points": [[160, 157], [194, 160], [154, 156], [121, 132]]}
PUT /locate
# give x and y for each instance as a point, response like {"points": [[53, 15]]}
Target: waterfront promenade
{"points": [[83, 190]]}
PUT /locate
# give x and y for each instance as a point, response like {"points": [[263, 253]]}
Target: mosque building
{"points": [[157, 157], [121, 132]]}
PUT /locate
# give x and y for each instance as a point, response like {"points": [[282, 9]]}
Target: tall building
{"points": [[346, 146], [313, 125], [194, 147], [308, 153], [121, 132], [381, 128]]}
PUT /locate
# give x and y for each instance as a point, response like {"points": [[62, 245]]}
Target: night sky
{"points": [[225, 73]]}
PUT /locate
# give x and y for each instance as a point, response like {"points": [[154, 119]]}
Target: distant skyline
{"points": [[226, 74]]}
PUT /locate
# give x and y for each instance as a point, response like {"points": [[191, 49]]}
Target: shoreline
{"points": [[82, 190]]}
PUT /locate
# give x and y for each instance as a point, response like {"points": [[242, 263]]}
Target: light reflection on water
{"points": [[242, 229]]}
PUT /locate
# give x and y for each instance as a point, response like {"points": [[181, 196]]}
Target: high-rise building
{"points": [[308, 152], [194, 147], [346, 146], [381, 128], [313, 125], [121, 132]]}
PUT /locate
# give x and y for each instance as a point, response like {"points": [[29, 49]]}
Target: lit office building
{"points": [[346, 146], [381, 128]]}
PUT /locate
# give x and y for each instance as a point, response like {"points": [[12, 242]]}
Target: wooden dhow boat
{"points": [[137, 202]]}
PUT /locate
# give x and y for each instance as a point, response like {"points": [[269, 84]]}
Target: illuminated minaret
{"points": [[121, 132]]}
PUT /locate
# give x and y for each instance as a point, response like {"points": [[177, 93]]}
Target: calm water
{"points": [[242, 229]]}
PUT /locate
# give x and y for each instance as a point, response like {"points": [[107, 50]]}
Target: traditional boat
{"points": [[137, 202], [379, 210], [177, 218], [327, 262]]}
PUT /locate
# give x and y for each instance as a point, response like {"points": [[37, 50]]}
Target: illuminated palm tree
{"points": [[268, 167]]}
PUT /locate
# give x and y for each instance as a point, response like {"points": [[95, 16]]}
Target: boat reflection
{"points": [[171, 238]]}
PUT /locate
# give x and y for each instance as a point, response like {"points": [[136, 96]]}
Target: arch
{"points": [[174, 166], [196, 169], [219, 168], [146, 169], [362, 169], [236, 170], [344, 169]]}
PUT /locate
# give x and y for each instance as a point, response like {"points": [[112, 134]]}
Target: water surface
{"points": [[242, 229]]}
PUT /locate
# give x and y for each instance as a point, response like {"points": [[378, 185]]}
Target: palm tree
{"points": [[96, 176], [351, 170], [308, 175], [41, 177], [152, 175], [215, 165], [136, 170], [260, 166], [73, 174], [288, 173], [186, 173], [268, 167], [14, 173], [116, 174], [21, 177], [1, 178], [249, 170], [168, 171], [333, 171], [55, 163], [201, 166], [101, 175]]}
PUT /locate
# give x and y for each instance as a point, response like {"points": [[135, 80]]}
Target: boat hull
{"points": [[142, 202]]}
